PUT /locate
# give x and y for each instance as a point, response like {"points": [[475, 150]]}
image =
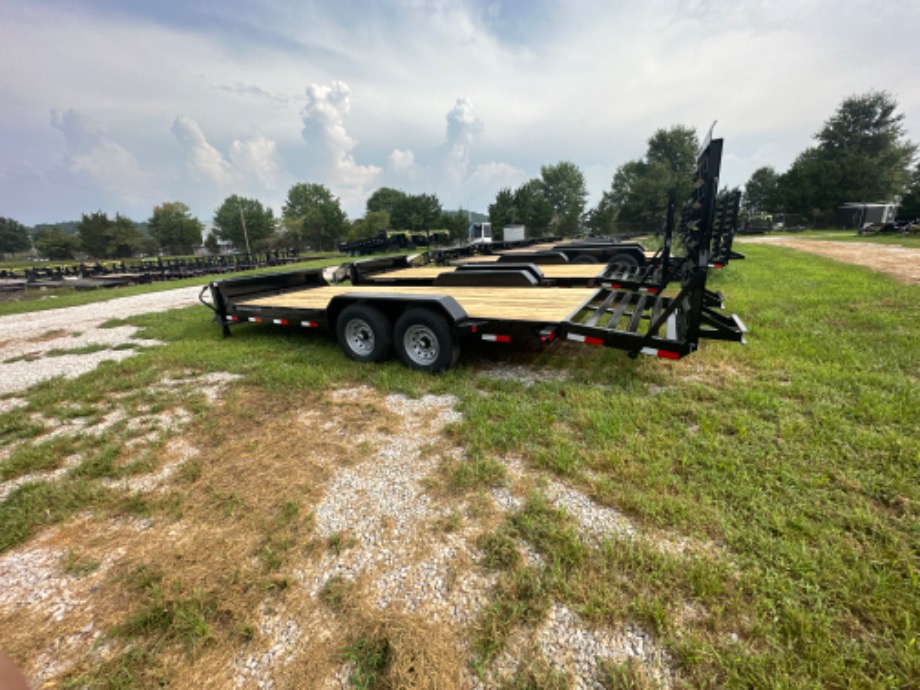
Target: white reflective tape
{"points": [[672, 327], [649, 351], [577, 337]]}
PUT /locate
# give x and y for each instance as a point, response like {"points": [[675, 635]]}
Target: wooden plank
{"points": [[584, 271], [514, 304]]}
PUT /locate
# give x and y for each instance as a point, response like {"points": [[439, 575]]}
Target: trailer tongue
{"points": [[426, 324]]}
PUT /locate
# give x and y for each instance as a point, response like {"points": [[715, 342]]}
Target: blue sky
{"points": [[120, 106]]}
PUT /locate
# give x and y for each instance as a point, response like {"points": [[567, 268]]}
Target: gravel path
{"points": [[26, 339], [902, 263]]}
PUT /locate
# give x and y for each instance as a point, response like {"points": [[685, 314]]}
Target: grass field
{"points": [[776, 486]]}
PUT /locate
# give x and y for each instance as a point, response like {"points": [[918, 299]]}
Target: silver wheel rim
{"points": [[421, 345], [359, 336]]}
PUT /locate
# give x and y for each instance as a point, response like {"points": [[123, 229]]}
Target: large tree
{"points": [[526, 205], [385, 199], [174, 228], [533, 208], [105, 238], [565, 189], [14, 237], [244, 222], [762, 192], [502, 211], [861, 155], [316, 214], [639, 189], [418, 212], [55, 243]]}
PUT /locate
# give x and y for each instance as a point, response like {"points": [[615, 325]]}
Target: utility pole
{"points": [[245, 232]]}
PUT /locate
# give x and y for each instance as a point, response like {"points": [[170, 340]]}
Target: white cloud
{"points": [[330, 147], [94, 158], [203, 161]]}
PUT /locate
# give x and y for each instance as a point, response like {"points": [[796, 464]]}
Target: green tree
{"points": [[54, 243], [14, 237], [211, 244], [565, 189], [124, 239], [174, 228], [762, 191], [863, 146], [861, 155], [639, 189], [385, 199], [316, 215], [369, 226], [417, 213], [503, 211], [93, 231], [105, 238], [456, 223], [239, 219], [602, 218], [533, 208]]}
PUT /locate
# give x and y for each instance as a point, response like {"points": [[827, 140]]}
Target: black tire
{"points": [[623, 260], [364, 333], [584, 259], [424, 341]]}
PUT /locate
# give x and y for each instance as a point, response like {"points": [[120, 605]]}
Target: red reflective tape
{"points": [[309, 324], [719, 265], [280, 322], [255, 319], [615, 286], [503, 338], [593, 341], [652, 291], [665, 354]]}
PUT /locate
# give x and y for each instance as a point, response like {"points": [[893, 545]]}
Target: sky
{"points": [[119, 106]]}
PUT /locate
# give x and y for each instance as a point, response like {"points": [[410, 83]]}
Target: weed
{"points": [[76, 566], [370, 659]]}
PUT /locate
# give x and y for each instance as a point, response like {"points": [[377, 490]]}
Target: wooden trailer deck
{"points": [[584, 271], [513, 304]]}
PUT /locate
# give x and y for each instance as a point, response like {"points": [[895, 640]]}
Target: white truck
{"points": [[480, 233], [514, 233]]}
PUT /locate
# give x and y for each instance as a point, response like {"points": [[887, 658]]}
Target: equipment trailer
{"points": [[427, 324]]}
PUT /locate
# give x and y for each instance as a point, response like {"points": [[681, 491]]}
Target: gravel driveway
{"points": [[26, 339]]}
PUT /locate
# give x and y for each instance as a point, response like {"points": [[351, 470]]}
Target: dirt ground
{"points": [[902, 263]]}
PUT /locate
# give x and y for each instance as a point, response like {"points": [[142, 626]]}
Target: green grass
{"points": [[793, 464]]}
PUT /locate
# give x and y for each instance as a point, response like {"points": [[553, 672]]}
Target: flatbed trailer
{"points": [[426, 325]]}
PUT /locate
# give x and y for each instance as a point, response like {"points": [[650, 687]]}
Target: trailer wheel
{"points": [[623, 260], [424, 341], [584, 259], [364, 333]]}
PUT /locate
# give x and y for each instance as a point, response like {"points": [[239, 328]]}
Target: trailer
{"points": [[553, 269], [427, 325]]}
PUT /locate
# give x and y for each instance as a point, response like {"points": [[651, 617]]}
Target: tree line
{"points": [[861, 154]]}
